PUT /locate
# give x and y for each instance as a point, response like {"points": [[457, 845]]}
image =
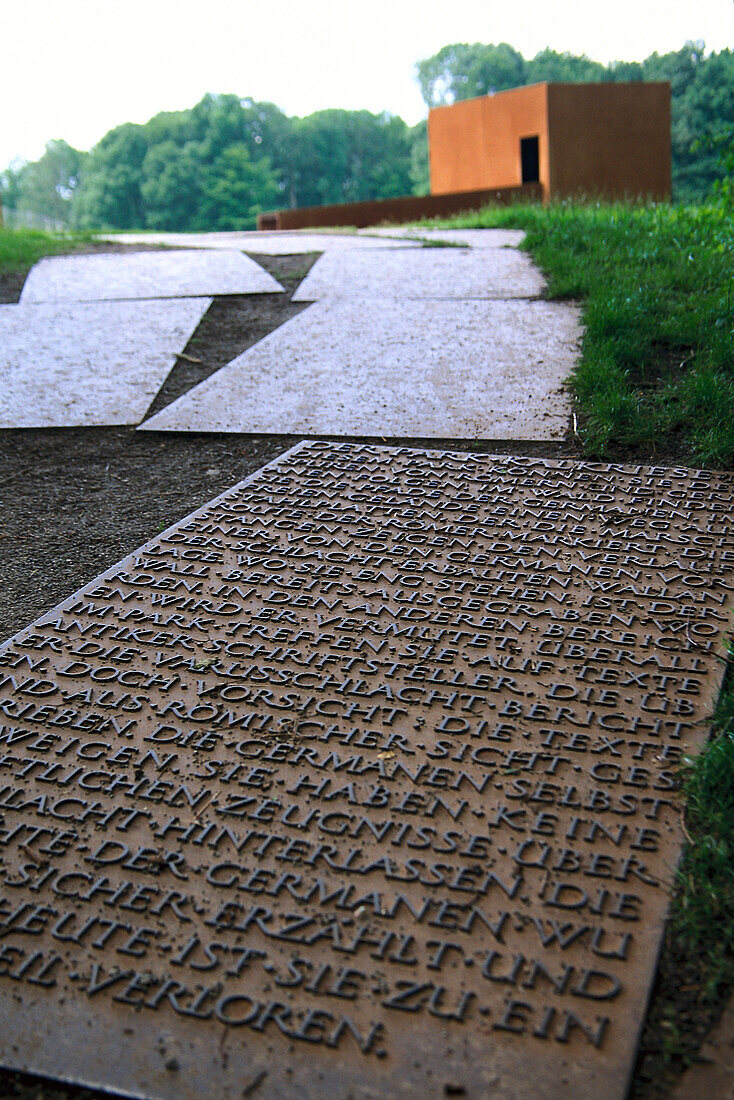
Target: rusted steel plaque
{"points": [[360, 781]]}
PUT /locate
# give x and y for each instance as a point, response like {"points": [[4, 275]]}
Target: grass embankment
{"points": [[696, 975], [656, 372], [704, 908], [21, 248]]}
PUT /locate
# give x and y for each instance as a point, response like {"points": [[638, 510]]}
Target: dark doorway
{"points": [[530, 159]]}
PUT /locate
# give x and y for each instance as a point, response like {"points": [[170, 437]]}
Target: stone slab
{"points": [[445, 369], [123, 275], [422, 273], [274, 244], [290, 244], [471, 238], [359, 781], [89, 363]]}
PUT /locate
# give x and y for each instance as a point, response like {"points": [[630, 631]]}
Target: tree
{"points": [[171, 172], [461, 71], [703, 114], [172, 186], [619, 71], [10, 186], [679, 67], [236, 189], [565, 68], [41, 193], [109, 194], [345, 156], [420, 173]]}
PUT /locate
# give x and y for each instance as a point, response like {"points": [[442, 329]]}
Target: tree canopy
{"points": [[41, 192], [218, 164]]}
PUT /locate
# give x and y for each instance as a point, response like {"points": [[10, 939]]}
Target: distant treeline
{"points": [[217, 165]]}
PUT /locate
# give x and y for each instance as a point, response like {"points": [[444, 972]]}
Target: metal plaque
{"points": [[361, 781]]}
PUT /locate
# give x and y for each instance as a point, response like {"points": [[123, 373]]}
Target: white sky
{"points": [[73, 69]]}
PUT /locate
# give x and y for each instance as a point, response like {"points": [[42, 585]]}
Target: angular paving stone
{"points": [[145, 275], [492, 370], [472, 238], [359, 781], [422, 273], [88, 363], [278, 243], [290, 244]]}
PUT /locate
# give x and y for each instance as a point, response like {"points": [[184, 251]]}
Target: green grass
{"points": [[20, 248], [703, 906], [657, 287], [698, 975]]}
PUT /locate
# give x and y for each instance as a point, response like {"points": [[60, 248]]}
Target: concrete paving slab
{"points": [[492, 370], [118, 276], [272, 244], [88, 363], [422, 273], [472, 238], [291, 244]]}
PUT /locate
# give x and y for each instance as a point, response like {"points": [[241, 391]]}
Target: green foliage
{"points": [[461, 71], [420, 173], [42, 192], [656, 281], [109, 194], [704, 900], [171, 186], [703, 112], [347, 156], [723, 189], [236, 189], [702, 91], [566, 68], [217, 166]]}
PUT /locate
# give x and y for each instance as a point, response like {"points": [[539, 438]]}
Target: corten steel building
{"points": [[608, 141]]}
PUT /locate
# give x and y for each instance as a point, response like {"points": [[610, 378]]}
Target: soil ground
{"points": [[75, 501]]}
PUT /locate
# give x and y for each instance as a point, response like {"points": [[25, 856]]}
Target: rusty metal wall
{"points": [[395, 211], [610, 141], [476, 143]]}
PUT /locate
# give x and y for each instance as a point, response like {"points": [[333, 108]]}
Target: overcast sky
{"points": [[73, 69]]}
